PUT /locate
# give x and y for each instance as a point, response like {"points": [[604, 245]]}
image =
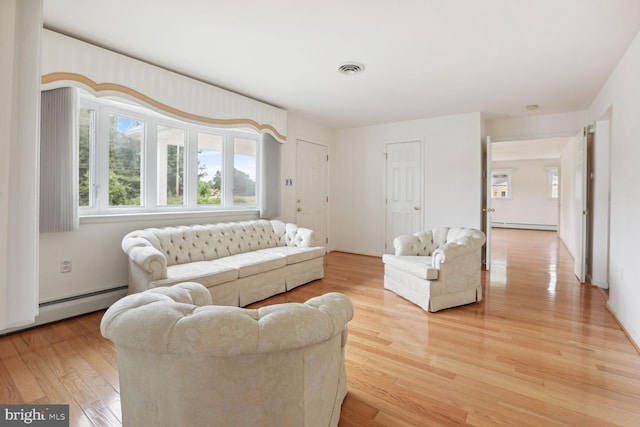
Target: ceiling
{"points": [[423, 58]]}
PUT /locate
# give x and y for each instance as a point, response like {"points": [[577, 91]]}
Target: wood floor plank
{"points": [[26, 384], [540, 349]]}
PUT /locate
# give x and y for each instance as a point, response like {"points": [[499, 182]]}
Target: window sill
{"points": [[205, 216]]}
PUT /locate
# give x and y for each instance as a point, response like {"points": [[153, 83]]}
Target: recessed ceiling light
{"points": [[351, 68], [532, 107]]}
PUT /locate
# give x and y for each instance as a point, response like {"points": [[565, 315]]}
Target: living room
{"points": [[451, 137]]}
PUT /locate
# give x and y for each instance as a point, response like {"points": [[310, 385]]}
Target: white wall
{"points": [[621, 94], [536, 126], [452, 170], [20, 23], [530, 204]]}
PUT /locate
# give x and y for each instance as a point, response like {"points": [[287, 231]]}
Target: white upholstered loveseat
{"points": [[185, 362], [238, 262], [436, 269]]}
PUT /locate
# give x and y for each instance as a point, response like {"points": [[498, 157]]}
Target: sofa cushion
{"points": [[419, 266], [205, 272], [294, 254], [251, 263]]}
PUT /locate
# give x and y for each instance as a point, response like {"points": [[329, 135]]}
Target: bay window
{"points": [[132, 160]]}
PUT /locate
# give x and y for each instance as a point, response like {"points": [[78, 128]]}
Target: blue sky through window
{"points": [[211, 161]]}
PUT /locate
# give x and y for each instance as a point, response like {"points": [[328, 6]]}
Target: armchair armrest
{"points": [[458, 247], [407, 244]]}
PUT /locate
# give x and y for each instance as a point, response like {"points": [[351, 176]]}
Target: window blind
{"points": [[270, 177], [58, 160]]}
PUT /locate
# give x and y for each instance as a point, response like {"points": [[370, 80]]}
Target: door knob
{"points": [[417, 208], [299, 209]]}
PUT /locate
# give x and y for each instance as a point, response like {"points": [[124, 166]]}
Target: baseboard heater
{"points": [[546, 227], [52, 311]]}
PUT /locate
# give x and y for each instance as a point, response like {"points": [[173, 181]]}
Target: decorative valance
{"points": [[70, 62]]}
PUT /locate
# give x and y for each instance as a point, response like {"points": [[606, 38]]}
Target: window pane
{"points": [[209, 169], [86, 135], [554, 184], [125, 158], [244, 171], [171, 161], [500, 185]]}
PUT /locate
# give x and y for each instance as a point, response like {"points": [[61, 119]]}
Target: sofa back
{"points": [[191, 243]]}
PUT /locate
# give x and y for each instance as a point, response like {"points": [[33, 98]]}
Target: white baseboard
{"points": [[545, 227], [70, 307]]}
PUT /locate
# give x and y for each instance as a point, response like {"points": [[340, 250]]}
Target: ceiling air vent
{"points": [[351, 68]]}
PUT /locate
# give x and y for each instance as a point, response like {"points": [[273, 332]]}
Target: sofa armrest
{"points": [[299, 236], [146, 256]]}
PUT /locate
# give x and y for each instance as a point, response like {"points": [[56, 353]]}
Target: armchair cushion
{"points": [[419, 266]]}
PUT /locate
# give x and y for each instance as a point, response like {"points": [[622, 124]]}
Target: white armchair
{"points": [[185, 362], [436, 269]]}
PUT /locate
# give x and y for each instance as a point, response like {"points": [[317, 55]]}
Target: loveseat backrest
{"points": [[183, 244]]}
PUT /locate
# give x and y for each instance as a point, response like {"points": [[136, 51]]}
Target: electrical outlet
{"points": [[65, 266]]}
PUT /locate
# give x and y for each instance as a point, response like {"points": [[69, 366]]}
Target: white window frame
{"points": [[508, 173], [99, 162], [551, 171]]}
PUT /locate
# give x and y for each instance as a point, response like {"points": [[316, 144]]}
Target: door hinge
{"points": [[327, 199], [326, 240], [327, 157]]}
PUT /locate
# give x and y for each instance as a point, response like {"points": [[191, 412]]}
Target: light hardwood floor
{"points": [[540, 349]]}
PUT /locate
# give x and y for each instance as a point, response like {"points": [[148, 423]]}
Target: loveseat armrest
{"points": [[142, 253]]}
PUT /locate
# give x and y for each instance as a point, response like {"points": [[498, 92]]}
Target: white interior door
{"points": [[487, 210], [404, 179], [312, 195], [580, 262]]}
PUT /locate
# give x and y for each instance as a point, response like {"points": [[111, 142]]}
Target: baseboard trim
{"points": [[629, 336], [544, 227], [61, 309]]}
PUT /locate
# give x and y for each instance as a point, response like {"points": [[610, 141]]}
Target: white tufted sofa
{"points": [[238, 262], [185, 362], [437, 268]]}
